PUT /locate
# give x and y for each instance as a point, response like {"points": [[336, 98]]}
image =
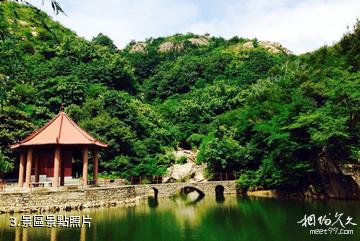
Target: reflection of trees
{"points": [[263, 219], [245, 220], [235, 219]]}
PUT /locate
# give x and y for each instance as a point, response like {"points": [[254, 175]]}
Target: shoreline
{"points": [[77, 199], [124, 196]]}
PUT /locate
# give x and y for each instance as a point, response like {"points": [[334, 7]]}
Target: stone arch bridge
{"points": [[65, 199], [169, 189]]}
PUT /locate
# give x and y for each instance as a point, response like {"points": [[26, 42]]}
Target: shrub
{"points": [[181, 160], [195, 140]]}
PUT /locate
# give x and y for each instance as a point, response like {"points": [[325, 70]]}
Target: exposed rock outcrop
{"points": [[171, 46], [138, 47], [200, 41], [352, 170], [272, 47], [189, 154], [335, 183], [179, 172], [188, 171], [178, 46]]}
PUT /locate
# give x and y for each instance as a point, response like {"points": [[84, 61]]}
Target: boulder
{"points": [[188, 171], [199, 173], [179, 172]]}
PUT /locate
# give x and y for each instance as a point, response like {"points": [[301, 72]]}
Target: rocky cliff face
{"points": [[272, 47], [352, 170], [335, 183], [171, 44], [138, 47], [178, 46]]}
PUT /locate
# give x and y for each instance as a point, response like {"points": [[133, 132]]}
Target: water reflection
{"points": [[53, 234], [190, 195], [153, 200], [21, 234], [17, 234], [83, 233], [219, 194], [50, 234], [25, 234], [199, 197], [236, 219]]}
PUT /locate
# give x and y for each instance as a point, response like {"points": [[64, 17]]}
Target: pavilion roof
{"points": [[60, 130]]}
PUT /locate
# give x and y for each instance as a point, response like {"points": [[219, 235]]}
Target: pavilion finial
{"points": [[62, 107]]}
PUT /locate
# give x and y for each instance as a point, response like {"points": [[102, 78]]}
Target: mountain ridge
{"points": [[247, 106]]}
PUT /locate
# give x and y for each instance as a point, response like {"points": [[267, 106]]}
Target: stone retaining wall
{"points": [[36, 201]]}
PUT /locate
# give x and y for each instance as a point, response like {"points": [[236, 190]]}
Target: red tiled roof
{"points": [[60, 130]]}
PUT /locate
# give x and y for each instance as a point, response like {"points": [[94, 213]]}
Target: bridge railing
{"points": [[224, 176], [2, 185], [136, 180]]}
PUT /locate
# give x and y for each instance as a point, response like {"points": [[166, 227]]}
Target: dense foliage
{"points": [[261, 112]]}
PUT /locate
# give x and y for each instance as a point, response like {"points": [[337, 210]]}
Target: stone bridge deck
{"points": [[56, 200], [169, 189]]}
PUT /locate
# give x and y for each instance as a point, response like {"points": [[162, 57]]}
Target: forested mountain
{"points": [[248, 106]]}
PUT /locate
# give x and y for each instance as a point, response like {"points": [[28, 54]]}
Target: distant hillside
{"points": [[32, 28], [279, 120]]}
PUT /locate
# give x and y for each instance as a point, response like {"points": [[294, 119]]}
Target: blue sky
{"points": [[300, 26]]}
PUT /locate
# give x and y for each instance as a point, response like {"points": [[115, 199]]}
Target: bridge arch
{"points": [[189, 189], [156, 192], [210, 188], [153, 197]]}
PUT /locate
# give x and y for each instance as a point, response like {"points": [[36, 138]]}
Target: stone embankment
{"points": [[60, 200]]}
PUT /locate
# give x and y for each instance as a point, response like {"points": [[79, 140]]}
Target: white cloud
{"points": [[299, 25], [126, 19]]}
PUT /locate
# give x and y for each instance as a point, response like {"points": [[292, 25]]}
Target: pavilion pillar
{"points": [[85, 166], [28, 167], [57, 160], [62, 174], [21, 168], [36, 165], [96, 164]]}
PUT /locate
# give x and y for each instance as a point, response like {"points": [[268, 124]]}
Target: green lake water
{"points": [[235, 218]]}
